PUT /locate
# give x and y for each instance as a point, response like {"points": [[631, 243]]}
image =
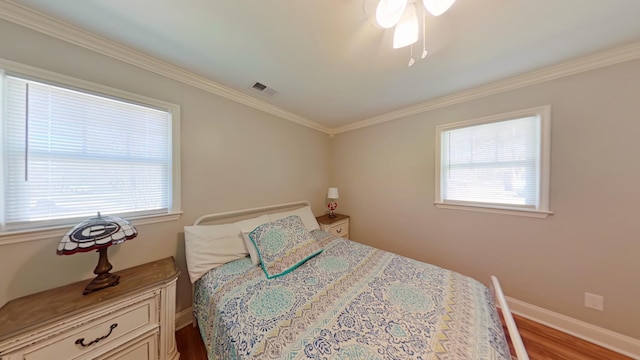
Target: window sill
{"points": [[27, 235], [503, 211]]}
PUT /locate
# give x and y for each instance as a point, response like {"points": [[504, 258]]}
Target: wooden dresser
{"points": [[134, 320]]}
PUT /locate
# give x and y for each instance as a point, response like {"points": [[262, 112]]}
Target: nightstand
{"points": [[337, 226], [134, 320]]}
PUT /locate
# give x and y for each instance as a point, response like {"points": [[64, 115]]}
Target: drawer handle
{"points": [[339, 230], [81, 340]]}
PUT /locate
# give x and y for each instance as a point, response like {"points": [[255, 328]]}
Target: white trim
{"points": [[495, 210], [184, 318], [617, 342], [50, 77], [541, 209], [27, 235], [13, 67], [56, 231], [175, 169], [31, 19], [34, 20], [572, 67]]}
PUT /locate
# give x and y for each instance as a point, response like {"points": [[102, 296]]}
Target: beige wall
{"points": [[232, 156], [386, 178]]}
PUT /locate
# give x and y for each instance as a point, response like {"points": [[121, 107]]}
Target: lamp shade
{"points": [[333, 193], [95, 233]]}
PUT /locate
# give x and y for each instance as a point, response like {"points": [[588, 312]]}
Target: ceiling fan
{"points": [[403, 14]]}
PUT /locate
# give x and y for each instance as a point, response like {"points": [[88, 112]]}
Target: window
{"points": [[498, 164], [71, 149]]}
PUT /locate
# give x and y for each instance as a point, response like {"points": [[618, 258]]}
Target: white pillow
{"points": [[305, 213], [253, 252], [209, 246]]}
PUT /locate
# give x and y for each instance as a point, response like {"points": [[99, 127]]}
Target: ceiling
{"points": [[328, 61]]}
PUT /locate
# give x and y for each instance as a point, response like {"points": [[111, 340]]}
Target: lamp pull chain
{"points": [[26, 135], [411, 60], [424, 32]]}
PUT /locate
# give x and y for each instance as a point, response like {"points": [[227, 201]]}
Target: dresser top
{"points": [[326, 220], [22, 314]]}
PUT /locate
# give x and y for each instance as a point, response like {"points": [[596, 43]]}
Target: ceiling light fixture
{"points": [[406, 32], [389, 12], [438, 7], [403, 15]]}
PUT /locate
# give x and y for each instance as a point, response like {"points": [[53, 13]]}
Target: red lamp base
{"points": [[332, 206]]}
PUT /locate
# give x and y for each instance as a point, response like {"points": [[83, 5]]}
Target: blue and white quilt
{"points": [[351, 301]]}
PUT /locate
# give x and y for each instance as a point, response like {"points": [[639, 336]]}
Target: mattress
{"points": [[351, 301]]}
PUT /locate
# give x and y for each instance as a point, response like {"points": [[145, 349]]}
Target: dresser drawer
{"points": [[143, 349], [340, 229], [97, 334]]}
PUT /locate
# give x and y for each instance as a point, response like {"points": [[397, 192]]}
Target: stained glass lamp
{"points": [[98, 233]]}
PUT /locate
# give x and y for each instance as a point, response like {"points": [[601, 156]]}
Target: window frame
{"points": [[28, 72], [542, 209]]}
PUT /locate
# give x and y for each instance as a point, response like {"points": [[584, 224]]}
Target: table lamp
{"points": [[332, 195], [98, 233]]}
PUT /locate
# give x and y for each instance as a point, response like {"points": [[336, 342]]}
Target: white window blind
{"points": [[497, 163], [70, 154]]}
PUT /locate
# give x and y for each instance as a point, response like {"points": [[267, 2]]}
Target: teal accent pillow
{"points": [[283, 245]]}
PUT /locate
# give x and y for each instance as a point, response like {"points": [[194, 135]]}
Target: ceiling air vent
{"points": [[264, 89]]}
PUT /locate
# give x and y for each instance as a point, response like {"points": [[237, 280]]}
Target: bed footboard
{"points": [[512, 329]]}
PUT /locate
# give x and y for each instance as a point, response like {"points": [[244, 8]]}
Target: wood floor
{"points": [[190, 344], [542, 343]]}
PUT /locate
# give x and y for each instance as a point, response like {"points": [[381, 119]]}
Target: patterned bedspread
{"points": [[351, 301]]}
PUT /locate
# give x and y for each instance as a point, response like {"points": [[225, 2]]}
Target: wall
{"points": [[232, 156], [386, 178]]}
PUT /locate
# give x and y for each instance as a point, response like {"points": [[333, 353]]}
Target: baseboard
{"points": [[606, 338], [184, 318]]}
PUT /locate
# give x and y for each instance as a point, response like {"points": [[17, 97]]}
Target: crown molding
{"points": [[34, 20], [31, 19], [572, 67]]}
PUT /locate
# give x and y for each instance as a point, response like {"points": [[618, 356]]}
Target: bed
{"points": [[334, 298]]}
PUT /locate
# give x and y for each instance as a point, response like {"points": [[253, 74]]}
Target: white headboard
{"points": [[235, 214]]}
